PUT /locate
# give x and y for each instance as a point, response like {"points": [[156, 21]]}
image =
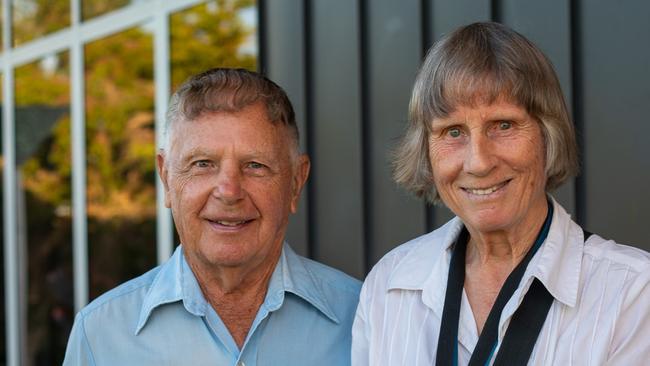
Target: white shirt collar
{"points": [[556, 264]]}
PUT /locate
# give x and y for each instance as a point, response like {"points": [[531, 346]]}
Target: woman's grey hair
{"points": [[229, 90], [480, 63]]}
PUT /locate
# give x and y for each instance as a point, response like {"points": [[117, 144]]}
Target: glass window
{"points": [[1, 31], [121, 201], [93, 8], [43, 202], [35, 18], [214, 34]]}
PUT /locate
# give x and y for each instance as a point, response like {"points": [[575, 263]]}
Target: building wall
{"points": [[349, 67]]}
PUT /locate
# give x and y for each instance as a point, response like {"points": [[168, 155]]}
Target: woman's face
{"points": [[488, 166]]}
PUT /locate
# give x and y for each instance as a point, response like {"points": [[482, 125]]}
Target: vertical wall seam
{"points": [[577, 104], [495, 11], [425, 26], [262, 53], [366, 136], [312, 240], [427, 37]]}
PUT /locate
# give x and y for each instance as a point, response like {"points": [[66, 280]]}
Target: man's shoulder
{"points": [[127, 297], [331, 277]]}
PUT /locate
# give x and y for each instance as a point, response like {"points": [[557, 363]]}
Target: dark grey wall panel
{"points": [[616, 105], [548, 25], [284, 45], [349, 67], [445, 16], [337, 136], [394, 52]]}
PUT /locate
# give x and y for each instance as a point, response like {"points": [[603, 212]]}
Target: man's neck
{"points": [[236, 294]]}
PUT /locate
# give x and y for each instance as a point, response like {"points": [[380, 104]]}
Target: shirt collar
{"points": [[556, 264], [292, 276], [426, 266], [176, 282]]}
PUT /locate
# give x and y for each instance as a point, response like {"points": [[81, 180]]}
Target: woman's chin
{"points": [[489, 221]]}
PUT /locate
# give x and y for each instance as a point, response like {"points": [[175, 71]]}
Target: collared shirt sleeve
{"points": [[631, 339], [78, 352]]}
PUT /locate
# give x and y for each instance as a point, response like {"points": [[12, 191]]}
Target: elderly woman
{"points": [[511, 280]]}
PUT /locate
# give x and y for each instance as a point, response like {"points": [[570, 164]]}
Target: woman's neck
{"points": [[506, 247]]}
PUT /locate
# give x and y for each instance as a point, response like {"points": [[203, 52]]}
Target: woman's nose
{"points": [[479, 157]]}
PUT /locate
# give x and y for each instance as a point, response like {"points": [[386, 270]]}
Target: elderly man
{"points": [[233, 293]]}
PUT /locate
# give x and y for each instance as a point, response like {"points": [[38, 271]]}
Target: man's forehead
{"points": [[190, 144]]}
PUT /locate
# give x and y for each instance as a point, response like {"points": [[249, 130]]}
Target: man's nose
{"points": [[479, 157], [228, 184]]}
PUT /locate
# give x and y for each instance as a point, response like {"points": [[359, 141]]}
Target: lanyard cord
{"points": [[447, 352]]}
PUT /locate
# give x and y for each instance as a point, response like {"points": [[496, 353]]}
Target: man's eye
{"points": [[255, 165], [202, 164], [454, 132], [505, 125]]}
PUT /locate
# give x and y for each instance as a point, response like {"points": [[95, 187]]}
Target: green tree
{"points": [[209, 35]]}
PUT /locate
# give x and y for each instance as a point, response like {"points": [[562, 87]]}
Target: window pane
{"points": [[214, 34], [93, 8], [121, 158], [34, 18], [43, 204], [2, 17]]}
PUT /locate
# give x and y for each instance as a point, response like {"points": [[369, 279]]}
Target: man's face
{"points": [[231, 180]]}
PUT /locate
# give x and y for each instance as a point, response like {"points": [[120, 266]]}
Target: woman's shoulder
{"points": [[416, 256], [615, 271], [616, 256]]}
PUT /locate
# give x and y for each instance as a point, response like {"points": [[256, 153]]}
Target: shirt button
{"points": [[241, 363]]}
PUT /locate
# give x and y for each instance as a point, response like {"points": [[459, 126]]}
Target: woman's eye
{"points": [[454, 132], [505, 125]]}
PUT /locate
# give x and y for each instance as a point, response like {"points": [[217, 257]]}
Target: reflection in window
{"points": [[93, 8], [35, 18], [43, 204], [1, 46], [215, 34], [121, 201]]}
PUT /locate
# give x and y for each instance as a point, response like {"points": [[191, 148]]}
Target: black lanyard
{"points": [[526, 322]]}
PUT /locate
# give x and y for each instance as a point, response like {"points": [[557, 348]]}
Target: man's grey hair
{"points": [[229, 90], [480, 63]]}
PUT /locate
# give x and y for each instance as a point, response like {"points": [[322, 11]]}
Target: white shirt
{"points": [[600, 314]]}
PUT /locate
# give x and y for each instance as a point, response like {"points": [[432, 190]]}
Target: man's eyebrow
{"points": [[246, 155], [193, 153]]}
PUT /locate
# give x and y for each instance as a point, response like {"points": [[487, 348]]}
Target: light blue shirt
{"points": [[162, 318]]}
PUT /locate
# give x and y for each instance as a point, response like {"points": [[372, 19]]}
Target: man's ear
{"points": [[163, 172], [299, 178]]}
